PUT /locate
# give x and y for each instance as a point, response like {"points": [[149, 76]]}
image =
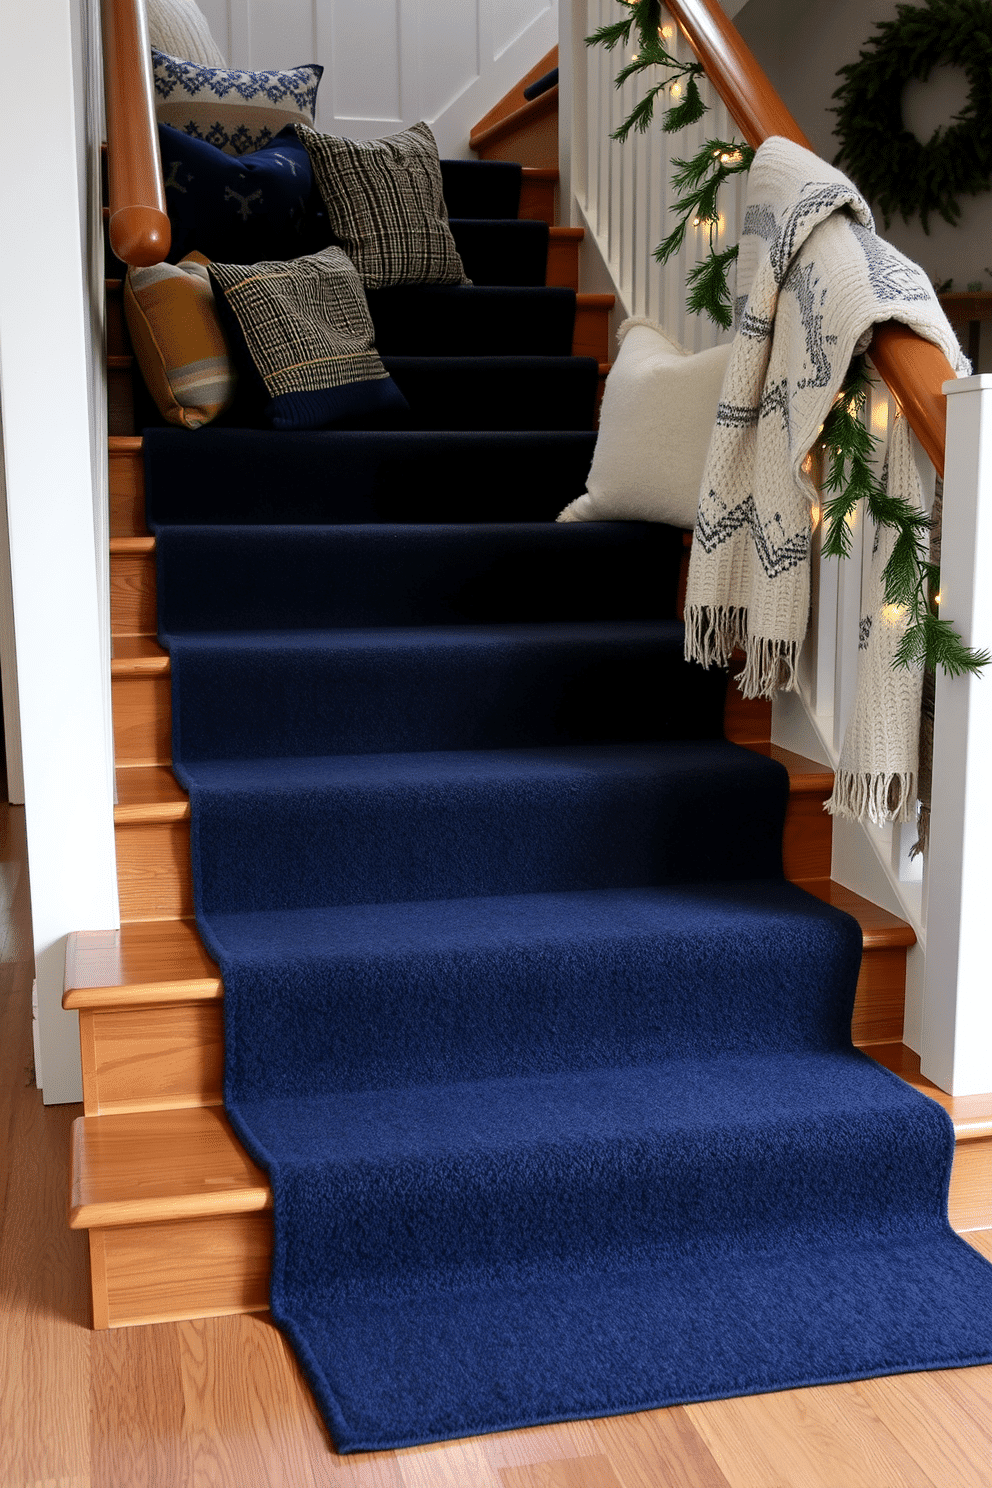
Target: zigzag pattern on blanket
{"points": [[550, 1069], [813, 280]]}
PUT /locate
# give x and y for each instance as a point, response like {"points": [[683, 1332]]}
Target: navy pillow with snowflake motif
{"points": [[240, 208]]}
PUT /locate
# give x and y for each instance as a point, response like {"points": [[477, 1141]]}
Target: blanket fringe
{"points": [[770, 668], [878, 797], [714, 632]]}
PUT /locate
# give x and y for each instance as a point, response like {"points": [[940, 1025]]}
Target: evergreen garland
{"points": [[911, 580], [888, 162], [696, 182]]}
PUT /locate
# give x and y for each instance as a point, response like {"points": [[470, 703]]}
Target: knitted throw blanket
{"points": [[813, 279]]}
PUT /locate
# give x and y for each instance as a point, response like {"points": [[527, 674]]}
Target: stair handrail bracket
{"points": [[912, 369], [140, 234]]}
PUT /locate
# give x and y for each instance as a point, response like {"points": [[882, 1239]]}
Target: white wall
{"points": [[51, 408], [801, 44], [389, 63]]}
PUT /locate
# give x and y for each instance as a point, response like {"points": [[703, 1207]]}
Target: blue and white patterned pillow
{"points": [[234, 110]]}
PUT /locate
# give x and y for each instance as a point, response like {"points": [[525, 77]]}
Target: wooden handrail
{"points": [[139, 225], [913, 369]]}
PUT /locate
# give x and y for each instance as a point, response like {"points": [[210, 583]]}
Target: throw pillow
{"points": [[236, 111], [180, 29], [238, 208], [178, 341], [385, 206], [658, 415], [306, 332]]}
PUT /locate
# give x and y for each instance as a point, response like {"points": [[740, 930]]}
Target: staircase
{"points": [[178, 1215]]}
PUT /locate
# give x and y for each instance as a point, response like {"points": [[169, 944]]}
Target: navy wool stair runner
{"points": [[548, 1065]]}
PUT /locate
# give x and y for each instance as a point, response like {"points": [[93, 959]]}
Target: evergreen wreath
{"points": [[888, 162]]}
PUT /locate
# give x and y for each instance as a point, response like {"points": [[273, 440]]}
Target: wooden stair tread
{"points": [[566, 234], [151, 1166], [148, 793], [148, 1166], [545, 174], [971, 1114], [806, 776], [125, 444], [158, 961], [138, 656], [529, 112], [514, 97], [142, 963], [880, 929]]}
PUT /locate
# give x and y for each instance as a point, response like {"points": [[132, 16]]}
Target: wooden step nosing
{"points": [[801, 784], [145, 994], [140, 666], [566, 234], [105, 1214], [138, 1107], [595, 301], [138, 813], [549, 174], [133, 546]]}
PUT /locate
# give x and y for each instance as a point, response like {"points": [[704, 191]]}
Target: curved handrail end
{"points": [[140, 236]]}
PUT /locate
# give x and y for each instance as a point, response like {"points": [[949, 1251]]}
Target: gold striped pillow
{"points": [[178, 340]]}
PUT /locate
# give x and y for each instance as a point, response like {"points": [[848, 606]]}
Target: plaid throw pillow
{"points": [[307, 333], [385, 206]]}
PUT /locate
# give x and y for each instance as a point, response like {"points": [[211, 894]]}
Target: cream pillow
{"points": [[658, 414], [179, 28]]}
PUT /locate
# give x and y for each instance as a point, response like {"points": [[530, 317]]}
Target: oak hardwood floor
{"points": [[220, 1402]]}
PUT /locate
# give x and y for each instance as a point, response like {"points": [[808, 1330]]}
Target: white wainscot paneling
{"points": [[510, 19], [361, 47], [388, 63], [448, 53], [282, 35]]}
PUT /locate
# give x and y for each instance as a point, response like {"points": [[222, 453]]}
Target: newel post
{"points": [[957, 1014]]}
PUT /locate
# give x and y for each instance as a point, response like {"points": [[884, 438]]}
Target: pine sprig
{"points": [[709, 290], [696, 182], [910, 580]]}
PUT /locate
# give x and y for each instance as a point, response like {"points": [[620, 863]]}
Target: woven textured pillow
{"points": [[385, 206], [236, 111], [179, 342], [306, 331], [658, 414], [180, 29], [238, 208]]}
